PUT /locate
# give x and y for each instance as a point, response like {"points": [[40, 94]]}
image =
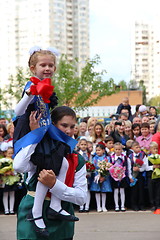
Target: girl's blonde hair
{"points": [[94, 136], [34, 57]]}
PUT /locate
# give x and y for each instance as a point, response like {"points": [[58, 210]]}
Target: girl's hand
{"points": [[136, 169], [102, 179], [33, 121]]}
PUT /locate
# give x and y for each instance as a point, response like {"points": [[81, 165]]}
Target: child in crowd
{"points": [[137, 190], [129, 147], [90, 149], [145, 139], [42, 64], [83, 150], [10, 185], [124, 105], [136, 129], [153, 184], [101, 184], [109, 142], [120, 159]]}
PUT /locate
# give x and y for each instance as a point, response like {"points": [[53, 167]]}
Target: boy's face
{"points": [[125, 102], [118, 150], [154, 150], [109, 144], [44, 68], [83, 145], [145, 132], [136, 149]]}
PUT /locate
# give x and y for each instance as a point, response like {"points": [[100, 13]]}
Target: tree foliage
{"points": [[82, 90]]}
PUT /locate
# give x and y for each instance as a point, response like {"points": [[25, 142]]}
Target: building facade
{"points": [[63, 24], [145, 57]]}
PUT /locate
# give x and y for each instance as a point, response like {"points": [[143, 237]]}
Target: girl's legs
{"points": [[98, 201], [41, 191], [88, 200], [55, 202], [116, 199], [122, 196], [11, 201], [104, 202], [5, 202]]}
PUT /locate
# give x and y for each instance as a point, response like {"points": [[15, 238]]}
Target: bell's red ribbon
{"points": [[42, 88]]}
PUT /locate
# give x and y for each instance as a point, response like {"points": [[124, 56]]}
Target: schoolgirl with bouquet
{"points": [[101, 183]]}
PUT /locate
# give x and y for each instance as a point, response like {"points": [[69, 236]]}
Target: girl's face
{"points": [[118, 150], [44, 68], [76, 129], [136, 131], [99, 151], [154, 150], [90, 147], [145, 132], [83, 145], [98, 130], [127, 128], [66, 125], [9, 153], [1, 132], [151, 128]]}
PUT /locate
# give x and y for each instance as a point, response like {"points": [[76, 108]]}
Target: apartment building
{"points": [[145, 57]]}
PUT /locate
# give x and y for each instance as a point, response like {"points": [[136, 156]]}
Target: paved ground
{"points": [[102, 226]]}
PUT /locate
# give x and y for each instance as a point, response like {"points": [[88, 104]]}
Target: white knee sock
{"points": [[122, 195], [11, 201], [5, 202], [98, 201], [88, 200], [41, 191], [55, 202], [116, 197], [103, 201]]}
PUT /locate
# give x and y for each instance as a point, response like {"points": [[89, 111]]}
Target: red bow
{"points": [[42, 88]]}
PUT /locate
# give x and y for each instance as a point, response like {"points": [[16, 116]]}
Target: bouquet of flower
{"points": [[90, 167], [145, 150], [155, 159], [9, 177], [117, 172], [104, 167], [137, 163]]}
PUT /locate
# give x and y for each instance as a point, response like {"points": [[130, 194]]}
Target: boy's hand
{"points": [[33, 121], [131, 180]]}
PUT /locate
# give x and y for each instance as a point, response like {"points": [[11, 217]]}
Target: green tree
{"points": [[123, 85], [84, 90], [155, 101]]}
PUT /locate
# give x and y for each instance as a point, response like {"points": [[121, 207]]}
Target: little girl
{"points": [[119, 158], [9, 188], [100, 185], [47, 153], [83, 150]]}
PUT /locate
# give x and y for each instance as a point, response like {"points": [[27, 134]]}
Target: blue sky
{"points": [[111, 22]]}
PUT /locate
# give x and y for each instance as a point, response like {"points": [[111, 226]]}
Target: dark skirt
{"points": [[124, 183]]}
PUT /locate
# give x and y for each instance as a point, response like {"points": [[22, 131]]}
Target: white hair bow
{"points": [[37, 48]]}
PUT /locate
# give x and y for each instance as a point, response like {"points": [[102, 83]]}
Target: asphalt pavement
{"points": [[127, 225]]}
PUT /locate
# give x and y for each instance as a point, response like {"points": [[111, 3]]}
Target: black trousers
{"points": [[156, 192], [137, 192]]}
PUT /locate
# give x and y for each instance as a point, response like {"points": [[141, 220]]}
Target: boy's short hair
{"points": [[153, 144], [135, 143], [108, 139], [145, 125], [129, 143], [118, 144]]}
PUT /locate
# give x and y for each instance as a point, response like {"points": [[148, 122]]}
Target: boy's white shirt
{"points": [[76, 194]]}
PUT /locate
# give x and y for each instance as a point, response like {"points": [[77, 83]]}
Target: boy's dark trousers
{"points": [[156, 191], [137, 193]]}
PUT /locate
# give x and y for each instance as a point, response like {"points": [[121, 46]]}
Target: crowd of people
{"points": [[121, 142]]}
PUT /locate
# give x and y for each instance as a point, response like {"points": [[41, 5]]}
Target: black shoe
{"points": [[153, 208], [81, 211], [43, 232], [12, 213], [86, 210], [135, 209], [6, 213], [142, 208], [52, 215]]}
